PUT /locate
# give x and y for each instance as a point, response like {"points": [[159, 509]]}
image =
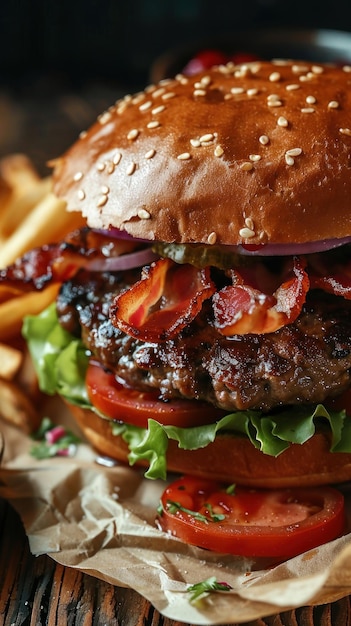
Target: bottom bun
{"points": [[233, 459]]}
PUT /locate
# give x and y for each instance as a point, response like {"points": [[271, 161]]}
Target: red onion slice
{"points": [[123, 262]]}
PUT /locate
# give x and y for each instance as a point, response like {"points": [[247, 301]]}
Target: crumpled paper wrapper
{"points": [[101, 521]]}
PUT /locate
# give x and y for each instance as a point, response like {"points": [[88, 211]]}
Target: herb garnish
{"points": [[53, 441], [173, 507], [206, 586]]}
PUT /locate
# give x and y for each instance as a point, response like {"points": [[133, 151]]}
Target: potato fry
{"points": [[16, 407], [46, 223], [11, 360], [13, 311], [20, 205], [18, 171]]}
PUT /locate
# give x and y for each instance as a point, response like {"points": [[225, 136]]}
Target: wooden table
{"points": [[37, 591]]}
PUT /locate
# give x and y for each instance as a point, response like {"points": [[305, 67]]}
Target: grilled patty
{"points": [[303, 362]]}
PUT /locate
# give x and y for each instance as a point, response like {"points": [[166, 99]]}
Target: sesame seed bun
{"points": [[258, 153]]}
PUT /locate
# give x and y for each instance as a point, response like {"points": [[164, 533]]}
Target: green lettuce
{"points": [[61, 361]]}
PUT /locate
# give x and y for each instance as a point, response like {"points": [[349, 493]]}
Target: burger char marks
{"points": [[302, 362]]}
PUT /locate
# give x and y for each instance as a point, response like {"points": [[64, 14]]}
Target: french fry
{"points": [[20, 205], [17, 408], [11, 360], [13, 311], [19, 173], [46, 223]]}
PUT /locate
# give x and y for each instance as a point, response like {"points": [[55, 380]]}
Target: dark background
{"points": [[63, 61]]}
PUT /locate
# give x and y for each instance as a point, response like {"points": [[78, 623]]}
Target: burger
{"points": [[203, 321]]}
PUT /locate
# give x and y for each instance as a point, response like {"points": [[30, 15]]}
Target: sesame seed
{"points": [[104, 117], [183, 80], [83, 134], [206, 80], [101, 166], [297, 69], [145, 106], [153, 124], [143, 214], [105, 190], [252, 92], [294, 152], [246, 166], [150, 154], [185, 156], [168, 95], [218, 152], [282, 121], [292, 87], [249, 223], [196, 143], [308, 110], [311, 100], [212, 238], [274, 100], [166, 81], [274, 77], [138, 98], [199, 92], [246, 233], [289, 160], [121, 108], [255, 157], [116, 158], [345, 131], [78, 176], [158, 109], [131, 168], [333, 104], [110, 167], [347, 68], [306, 77], [102, 200], [207, 137], [264, 140], [317, 69], [158, 92], [81, 194], [237, 90], [133, 134]]}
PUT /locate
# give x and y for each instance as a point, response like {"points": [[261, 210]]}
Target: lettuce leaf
{"points": [[61, 360]]}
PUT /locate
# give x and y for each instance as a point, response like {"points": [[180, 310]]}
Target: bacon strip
{"points": [[330, 276], [165, 300], [59, 262], [242, 308]]}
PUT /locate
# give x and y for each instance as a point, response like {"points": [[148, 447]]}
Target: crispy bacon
{"points": [[242, 308], [166, 299], [330, 276], [38, 268], [59, 262]]}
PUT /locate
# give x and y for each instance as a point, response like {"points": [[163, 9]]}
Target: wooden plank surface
{"points": [[36, 591]]}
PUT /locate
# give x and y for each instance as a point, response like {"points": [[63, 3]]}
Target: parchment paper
{"points": [[101, 521]]}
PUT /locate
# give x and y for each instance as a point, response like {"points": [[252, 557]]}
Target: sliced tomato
{"points": [[122, 403], [248, 522]]}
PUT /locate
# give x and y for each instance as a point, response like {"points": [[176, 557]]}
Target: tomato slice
{"points": [[251, 522], [131, 406]]}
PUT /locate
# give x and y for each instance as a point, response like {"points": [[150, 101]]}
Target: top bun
{"points": [[256, 153]]}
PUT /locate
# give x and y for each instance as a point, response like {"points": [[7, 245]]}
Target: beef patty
{"points": [[303, 362]]}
